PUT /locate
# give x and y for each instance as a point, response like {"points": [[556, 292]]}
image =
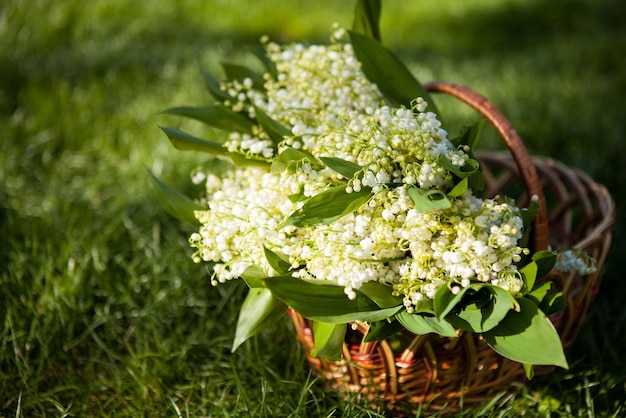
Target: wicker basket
{"points": [[448, 373]]}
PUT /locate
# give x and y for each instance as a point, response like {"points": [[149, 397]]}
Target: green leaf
{"points": [[444, 300], [392, 77], [297, 197], [472, 171], [274, 130], [175, 203], [184, 141], [470, 137], [240, 72], [328, 340], [460, 188], [258, 311], [529, 271], [269, 65], [424, 306], [217, 116], [381, 330], [539, 292], [482, 316], [345, 168], [530, 372], [241, 160], [287, 158], [328, 206], [527, 215], [253, 276], [545, 261], [213, 84], [326, 302], [528, 337], [367, 18], [421, 324], [381, 294], [279, 262], [470, 167], [428, 200], [553, 303], [541, 264]]}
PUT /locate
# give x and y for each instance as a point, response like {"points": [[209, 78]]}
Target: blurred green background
{"points": [[102, 313]]}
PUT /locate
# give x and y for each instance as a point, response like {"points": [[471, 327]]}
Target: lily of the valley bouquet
{"points": [[336, 192]]}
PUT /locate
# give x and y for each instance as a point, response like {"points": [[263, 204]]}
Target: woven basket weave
{"points": [[448, 373]]}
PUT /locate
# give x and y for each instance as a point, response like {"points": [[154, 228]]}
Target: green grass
{"points": [[102, 313]]}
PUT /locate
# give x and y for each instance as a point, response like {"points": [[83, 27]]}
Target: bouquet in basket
{"points": [[335, 191]]}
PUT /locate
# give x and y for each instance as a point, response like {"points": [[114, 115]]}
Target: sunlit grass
{"points": [[103, 313]]}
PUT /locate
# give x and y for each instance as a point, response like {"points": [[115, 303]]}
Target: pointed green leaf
{"points": [[421, 324], [529, 271], [241, 160], [470, 166], [528, 337], [545, 261], [460, 188], [258, 311], [217, 116], [381, 294], [428, 200], [392, 77], [213, 84], [444, 300], [345, 168], [287, 158], [381, 330], [530, 371], [481, 316], [501, 303], [269, 65], [553, 303], [274, 130], [328, 340], [470, 136], [476, 181], [541, 264], [240, 72], [326, 302], [470, 171], [539, 292], [424, 306], [279, 262], [183, 141], [252, 275], [175, 203], [527, 215], [367, 18], [297, 197], [328, 206]]}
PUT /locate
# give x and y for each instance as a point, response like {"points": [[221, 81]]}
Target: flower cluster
{"points": [[575, 260], [315, 90], [337, 193], [321, 95]]}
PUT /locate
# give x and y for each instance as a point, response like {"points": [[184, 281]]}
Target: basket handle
{"points": [[515, 145]]}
